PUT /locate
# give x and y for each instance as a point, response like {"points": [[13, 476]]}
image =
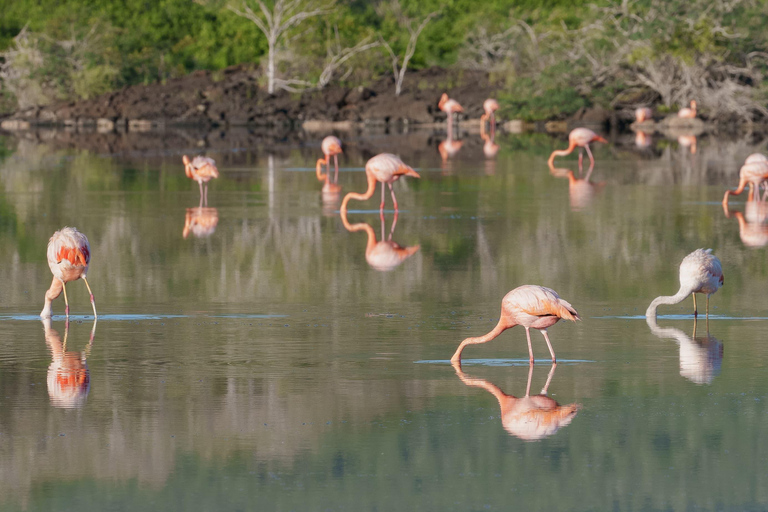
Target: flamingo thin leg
{"points": [[66, 301], [392, 191], [93, 302], [549, 345], [336, 164], [695, 309], [591, 158], [530, 346], [381, 208]]}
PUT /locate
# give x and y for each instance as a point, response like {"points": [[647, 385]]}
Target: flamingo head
{"points": [[443, 100]]}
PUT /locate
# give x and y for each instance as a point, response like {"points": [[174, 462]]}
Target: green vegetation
{"points": [[552, 57]]}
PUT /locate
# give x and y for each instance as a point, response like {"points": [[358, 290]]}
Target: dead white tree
{"points": [[338, 56], [18, 65], [414, 28], [274, 21]]}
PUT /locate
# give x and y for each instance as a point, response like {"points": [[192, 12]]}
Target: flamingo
{"points": [[200, 221], [757, 158], [580, 137], [331, 147], [201, 169], [385, 255], [530, 306], [69, 379], [68, 257], [688, 113], [643, 114], [490, 106], [450, 107], [531, 417], [700, 357], [386, 168], [700, 272], [750, 173]]}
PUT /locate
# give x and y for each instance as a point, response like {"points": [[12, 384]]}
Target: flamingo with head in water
{"points": [[385, 168], [752, 174], [700, 272], [68, 257], [581, 138], [331, 147], [450, 107], [490, 106]]}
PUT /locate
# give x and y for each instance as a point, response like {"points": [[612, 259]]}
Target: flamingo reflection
{"points": [[753, 229], [581, 192], [700, 357], [530, 418], [200, 221], [448, 149], [386, 254], [69, 380], [688, 141], [643, 139]]}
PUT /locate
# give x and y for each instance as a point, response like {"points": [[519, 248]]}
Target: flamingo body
{"points": [[385, 168], [700, 272], [69, 255], [643, 114], [531, 306], [579, 137], [450, 107], [752, 174], [331, 147], [688, 113], [201, 169], [490, 106]]}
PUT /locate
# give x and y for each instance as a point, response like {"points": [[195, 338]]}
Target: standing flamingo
{"points": [[450, 107], [201, 169], [530, 306], [331, 147], [580, 137], [753, 174], [386, 168], [688, 113], [643, 114], [700, 272], [68, 257], [490, 106]]}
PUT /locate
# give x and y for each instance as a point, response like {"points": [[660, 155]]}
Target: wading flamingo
{"points": [[68, 258], [450, 107], [643, 114], [688, 113], [201, 169], [753, 174], [531, 417], [385, 255], [68, 377], [331, 147], [386, 168], [700, 272], [490, 106], [580, 137], [530, 306]]}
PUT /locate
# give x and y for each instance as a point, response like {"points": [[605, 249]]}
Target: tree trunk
{"points": [[271, 69]]}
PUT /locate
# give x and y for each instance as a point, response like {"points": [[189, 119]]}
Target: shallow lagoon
{"points": [[262, 362]]}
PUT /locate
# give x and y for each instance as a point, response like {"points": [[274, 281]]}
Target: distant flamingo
{"points": [[490, 106], [450, 107], [531, 306], [700, 272], [580, 137], [331, 147], [688, 113], [531, 417], [386, 254], [201, 169], [753, 174], [643, 114], [68, 257], [386, 168]]}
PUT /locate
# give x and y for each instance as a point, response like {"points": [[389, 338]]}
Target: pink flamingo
{"points": [[700, 272], [331, 147], [490, 106], [450, 107], [386, 168], [201, 169], [580, 137], [531, 417], [68, 257], [531, 306], [753, 174], [643, 114], [688, 113]]}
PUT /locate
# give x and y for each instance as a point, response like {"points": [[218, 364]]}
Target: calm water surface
{"points": [[255, 355]]}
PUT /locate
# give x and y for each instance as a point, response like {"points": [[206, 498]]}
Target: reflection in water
{"points": [[200, 221], [700, 357], [581, 192], [643, 139], [385, 255], [753, 229], [330, 195], [687, 141], [68, 377], [530, 418], [448, 149]]}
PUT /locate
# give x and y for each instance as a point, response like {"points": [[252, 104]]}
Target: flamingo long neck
{"points": [[319, 168], [361, 197], [502, 326], [562, 152], [680, 296]]}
